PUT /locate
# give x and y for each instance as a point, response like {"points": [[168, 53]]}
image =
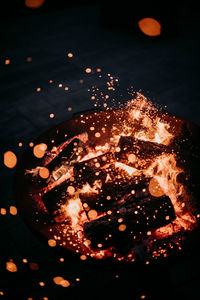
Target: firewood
{"points": [[71, 152], [55, 197], [142, 149], [136, 217], [112, 194]]}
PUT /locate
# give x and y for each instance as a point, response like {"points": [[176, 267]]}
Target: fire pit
{"points": [[118, 184]]}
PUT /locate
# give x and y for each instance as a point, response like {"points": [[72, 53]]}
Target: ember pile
{"points": [[118, 188]]}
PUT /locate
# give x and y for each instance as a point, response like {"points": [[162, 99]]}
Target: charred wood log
{"points": [[142, 149], [115, 184], [96, 162], [90, 169], [136, 217], [113, 193], [74, 150], [54, 198]]}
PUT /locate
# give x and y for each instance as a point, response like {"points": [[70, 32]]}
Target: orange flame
{"points": [[129, 170], [74, 211]]}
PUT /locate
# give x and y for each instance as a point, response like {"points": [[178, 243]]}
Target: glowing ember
{"points": [[129, 170]]}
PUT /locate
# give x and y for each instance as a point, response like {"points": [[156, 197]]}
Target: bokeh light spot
{"points": [[52, 243], [13, 210], [88, 70], [92, 214], [150, 26], [39, 150], [122, 227], [3, 211], [97, 134], [31, 144], [131, 158], [155, 188], [34, 3], [58, 279], [71, 190], [11, 266], [44, 173], [33, 266], [10, 159], [64, 283]]}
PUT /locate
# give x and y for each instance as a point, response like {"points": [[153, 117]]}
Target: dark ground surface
{"points": [[165, 69]]}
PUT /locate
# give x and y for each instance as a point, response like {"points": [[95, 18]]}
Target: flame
{"points": [[165, 171], [97, 151], [185, 222], [73, 210], [156, 132], [129, 170], [166, 175], [87, 188], [143, 123]]}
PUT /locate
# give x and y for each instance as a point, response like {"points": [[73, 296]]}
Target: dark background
{"points": [[100, 35]]}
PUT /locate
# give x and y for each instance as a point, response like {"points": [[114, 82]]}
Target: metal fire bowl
{"points": [[27, 195]]}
